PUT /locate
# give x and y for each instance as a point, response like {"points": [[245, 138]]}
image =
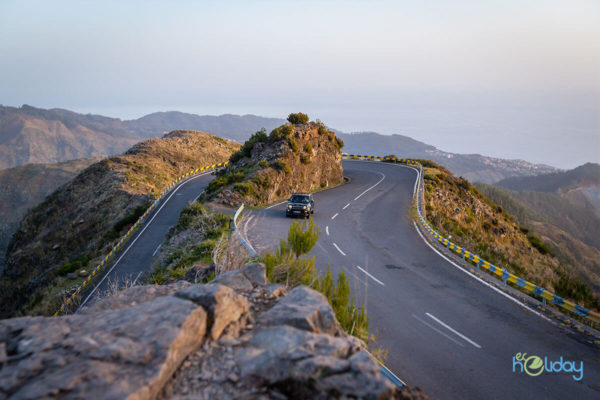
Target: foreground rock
{"points": [[115, 354], [196, 342]]}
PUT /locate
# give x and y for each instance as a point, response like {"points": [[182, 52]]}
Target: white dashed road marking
{"points": [[336, 214], [370, 276], [453, 331], [338, 249]]}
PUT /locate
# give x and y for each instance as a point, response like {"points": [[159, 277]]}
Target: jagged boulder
{"points": [[223, 305], [114, 354], [306, 309]]}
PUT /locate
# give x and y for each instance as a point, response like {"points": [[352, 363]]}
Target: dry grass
{"points": [[229, 253]]}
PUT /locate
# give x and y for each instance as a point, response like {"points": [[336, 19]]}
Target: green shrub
{"points": [[245, 188], [297, 118], [263, 164], [226, 178], [246, 150], [282, 132], [323, 130], [126, 221], [282, 166], [308, 147], [524, 229], [294, 146], [339, 143], [72, 266], [538, 244], [305, 159], [302, 236], [352, 320]]}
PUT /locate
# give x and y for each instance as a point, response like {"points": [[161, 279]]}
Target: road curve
{"points": [[138, 253], [445, 331]]}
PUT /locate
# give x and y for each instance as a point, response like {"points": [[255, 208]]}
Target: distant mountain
{"points": [[581, 186], [562, 208], [227, 126], [24, 187], [474, 167], [30, 134], [35, 135]]}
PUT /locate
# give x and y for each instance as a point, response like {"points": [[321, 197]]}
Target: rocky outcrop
{"points": [[114, 354], [80, 221], [192, 341], [291, 159]]}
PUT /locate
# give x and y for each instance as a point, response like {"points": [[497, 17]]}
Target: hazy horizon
{"points": [[502, 79]]}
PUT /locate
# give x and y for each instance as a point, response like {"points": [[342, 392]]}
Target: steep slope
{"points": [[458, 209], [80, 221], [558, 208], [24, 187], [474, 167], [292, 158]]}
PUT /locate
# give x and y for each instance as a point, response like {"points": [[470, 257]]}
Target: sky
{"points": [[510, 79]]}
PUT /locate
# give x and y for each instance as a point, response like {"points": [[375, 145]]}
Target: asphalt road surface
{"points": [[447, 332], [137, 256]]}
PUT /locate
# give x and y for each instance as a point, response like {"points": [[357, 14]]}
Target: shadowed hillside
{"points": [[24, 187], [77, 224]]}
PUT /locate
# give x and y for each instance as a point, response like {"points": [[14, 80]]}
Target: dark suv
{"points": [[300, 205]]}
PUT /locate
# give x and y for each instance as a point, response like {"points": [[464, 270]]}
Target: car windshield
{"points": [[299, 199]]}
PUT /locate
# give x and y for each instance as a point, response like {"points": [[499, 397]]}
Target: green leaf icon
{"points": [[534, 366]]}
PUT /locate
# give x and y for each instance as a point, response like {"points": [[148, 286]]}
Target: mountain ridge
{"points": [[64, 134]]}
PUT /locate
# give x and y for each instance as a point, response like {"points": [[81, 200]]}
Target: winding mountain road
{"points": [[136, 258], [447, 332], [450, 333]]}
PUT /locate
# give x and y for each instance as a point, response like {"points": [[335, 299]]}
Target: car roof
{"points": [[301, 194]]}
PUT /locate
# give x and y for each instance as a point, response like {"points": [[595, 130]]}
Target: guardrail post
{"points": [[544, 301], [478, 264], [503, 275]]}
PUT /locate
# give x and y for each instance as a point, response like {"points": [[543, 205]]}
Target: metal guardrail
{"points": [[123, 239], [500, 273], [246, 245]]}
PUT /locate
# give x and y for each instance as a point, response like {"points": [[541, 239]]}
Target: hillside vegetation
{"points": [[79, 223], [457, 208], [270, 167], [561, 210], [24, 187]]}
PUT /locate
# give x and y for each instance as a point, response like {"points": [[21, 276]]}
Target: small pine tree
{"points": [[303, 236]]}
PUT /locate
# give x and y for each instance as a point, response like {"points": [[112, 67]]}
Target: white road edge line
{"points": [[346, 206], [336, 214], [457, 333], [378, 182], [440, 332], [338, 249], [327, 229], [371, 276], [153, 254], [136, 278], [479, 279], [137, 237], [275, 205]]}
